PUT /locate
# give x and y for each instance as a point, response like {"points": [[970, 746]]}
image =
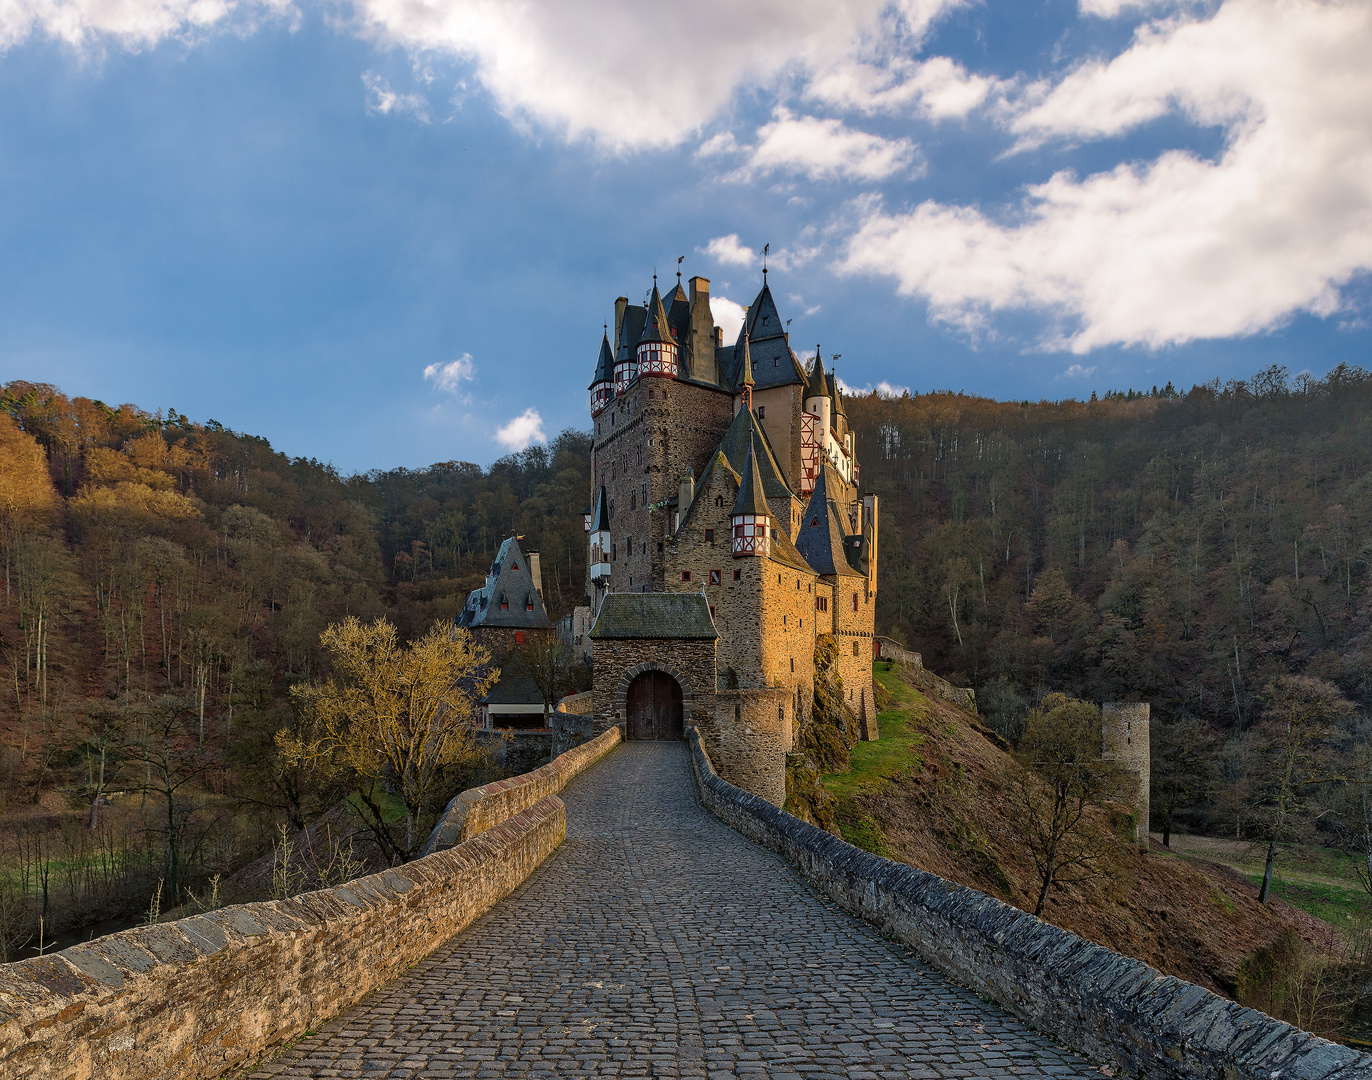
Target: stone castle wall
{"points": [[691, 663], [749, 737], [1124, 739], [1108, 1006], [853, 635]]}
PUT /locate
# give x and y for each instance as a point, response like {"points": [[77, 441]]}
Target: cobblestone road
{"points": [[658, 942]]}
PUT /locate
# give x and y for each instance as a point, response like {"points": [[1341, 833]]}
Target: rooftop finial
{"points": [[765, 249], [679, 260]]}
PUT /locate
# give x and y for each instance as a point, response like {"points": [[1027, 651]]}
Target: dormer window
{"points": [[504, 604], [514, 565]]}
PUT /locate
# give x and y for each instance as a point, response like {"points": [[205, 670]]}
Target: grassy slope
{"points": [[933, 792]]}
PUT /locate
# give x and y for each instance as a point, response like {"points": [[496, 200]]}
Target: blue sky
{"points": [[388, 234]]}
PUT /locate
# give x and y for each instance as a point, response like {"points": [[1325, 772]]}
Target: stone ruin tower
{"points": [[1124, 740]]}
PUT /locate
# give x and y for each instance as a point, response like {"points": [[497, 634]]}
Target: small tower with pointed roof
{"points": [[602, 383], [657, 351], [751, 520]]}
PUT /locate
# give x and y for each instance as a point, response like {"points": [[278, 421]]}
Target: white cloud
{"points": [[1111, 9], [1076, 371], [382, 99], [449, 377], [132, 24], [826, 149], [519, 433], [938, 88], [1182, 247], [599, 69], [719, 145], [728, 250], [882, 389], [728, 317]]}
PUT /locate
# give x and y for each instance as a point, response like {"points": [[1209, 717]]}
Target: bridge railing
{"points": [[199, 997], [1109, 1006]]}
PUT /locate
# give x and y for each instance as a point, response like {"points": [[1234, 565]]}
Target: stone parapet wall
{"points": [[193, 999], [1110, 1007], [964, 697], [581, 704], [476, 810]]}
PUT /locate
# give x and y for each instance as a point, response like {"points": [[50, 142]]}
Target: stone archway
{"points": [[654, 700], [653, 707]]}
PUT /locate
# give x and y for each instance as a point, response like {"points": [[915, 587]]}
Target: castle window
{"points": [[762, 412], [781, 712], [712, 611], [633, 501], [519, 637], [504, 604], [719, 500], [650, 393], [528, 605], [854, 601], [709, 536], [814, 522], [685, 575], [514, 565], [738, 574], [855, 649], [715, 577], [793, 665], [664, 395]]}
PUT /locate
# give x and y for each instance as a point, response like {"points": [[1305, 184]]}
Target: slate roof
{"points": [[818, 384], [681, 616], [745, 375], [656, 327], [744, 431], [516, 686], [750, 498], [605, 363], [822, 540], [717, 461], [630, 330], [773, 362], [509, 578], [600, 522]]}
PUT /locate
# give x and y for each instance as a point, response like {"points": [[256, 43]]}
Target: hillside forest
{"points": [[166, 583]]}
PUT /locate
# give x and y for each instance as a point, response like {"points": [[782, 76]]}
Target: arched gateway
{"points": [[654, 709]]}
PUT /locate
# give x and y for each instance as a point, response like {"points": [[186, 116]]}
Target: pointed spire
{"points": [[751, 498], [655, 327], [605, 362], [745, 375], [819, 386], [601, 521]]}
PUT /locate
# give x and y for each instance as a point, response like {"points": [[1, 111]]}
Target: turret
{"points": [[599, 537], [745, 379], [602, 384], [817, 400], [750, 518], [656, 351]]}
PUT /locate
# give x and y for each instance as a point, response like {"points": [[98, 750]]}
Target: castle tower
{"points": [[1124, 739], [602, 383], [750, 522]]}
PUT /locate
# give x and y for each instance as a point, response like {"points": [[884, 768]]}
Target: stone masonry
{"points": [[691, 663], [1124, 739]]}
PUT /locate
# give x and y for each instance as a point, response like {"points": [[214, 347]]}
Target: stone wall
{"points": [[195, 998], [690, 662], [748, 739], [477, 810], [1108, 1006], [964, 697]]}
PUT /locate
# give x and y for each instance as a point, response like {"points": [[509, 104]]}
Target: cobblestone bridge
{"points": [[657, 942]]}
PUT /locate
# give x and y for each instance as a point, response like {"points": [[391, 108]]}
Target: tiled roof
{"points": [[822, 539], [682, 616], [516, 686], [742, 433], [509, 579]]}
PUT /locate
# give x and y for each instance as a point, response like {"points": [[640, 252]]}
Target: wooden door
{"points": [[654, 707]]}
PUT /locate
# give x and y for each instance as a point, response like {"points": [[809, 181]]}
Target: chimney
{"points": [[536, 573], [686, 493], [719, 338], [620, 304], [703, 336]]}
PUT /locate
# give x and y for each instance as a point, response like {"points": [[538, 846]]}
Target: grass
{"points": [[1337, 905], [871, 765]]}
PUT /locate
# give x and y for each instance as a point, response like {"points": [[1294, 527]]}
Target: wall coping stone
{"points": [[475, 810], [1111, 1007]]}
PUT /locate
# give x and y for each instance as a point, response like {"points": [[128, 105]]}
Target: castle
{"points": [[727, 532]]}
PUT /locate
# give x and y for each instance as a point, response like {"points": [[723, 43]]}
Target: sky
{"points": [[386, 233]]}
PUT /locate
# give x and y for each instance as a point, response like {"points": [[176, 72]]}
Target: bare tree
{"points": [[1063, 782], [548, 660], [1183, 768], [1299, 722]]}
